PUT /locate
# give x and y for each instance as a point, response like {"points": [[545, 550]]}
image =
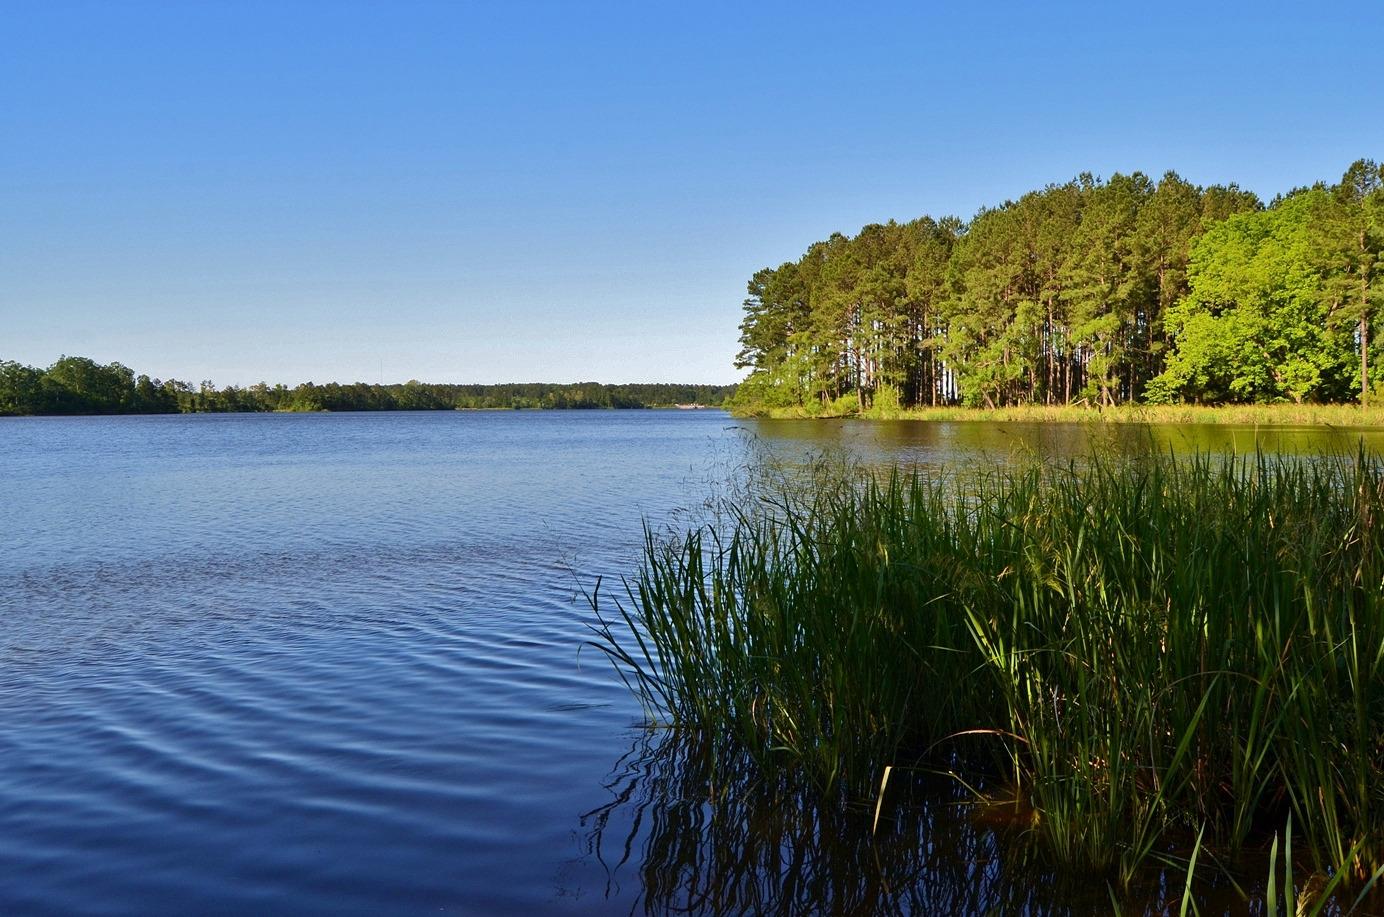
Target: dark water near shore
{"points": [[330, 663]]}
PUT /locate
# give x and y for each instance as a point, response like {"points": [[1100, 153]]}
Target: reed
{"points": [[1144, 648]]}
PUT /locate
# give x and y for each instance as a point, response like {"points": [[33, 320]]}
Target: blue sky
{"points": [[488, 192]]}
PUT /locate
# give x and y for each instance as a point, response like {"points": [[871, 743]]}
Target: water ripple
{"points": [[326, 664]]}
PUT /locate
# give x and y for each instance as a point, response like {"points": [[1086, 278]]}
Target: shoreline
{"points": [[465, 410], [1302, 415]]}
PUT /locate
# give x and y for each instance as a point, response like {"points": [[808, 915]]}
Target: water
{"points": [[330, 663]]}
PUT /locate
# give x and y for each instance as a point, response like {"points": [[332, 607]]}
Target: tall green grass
{"points": [[1145, 649]]}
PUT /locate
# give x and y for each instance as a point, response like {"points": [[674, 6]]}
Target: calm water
{"points": [[289, 663]]}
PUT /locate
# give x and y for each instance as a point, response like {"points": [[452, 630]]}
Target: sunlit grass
{"points": [[1145, 648], [1337, 415]]}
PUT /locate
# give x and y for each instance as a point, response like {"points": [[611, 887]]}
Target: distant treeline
{"points": [[77, 385], [1098, 291]]}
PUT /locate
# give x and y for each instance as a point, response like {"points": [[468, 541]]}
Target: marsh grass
{"points": [[1287, 414], [1146, 649]]}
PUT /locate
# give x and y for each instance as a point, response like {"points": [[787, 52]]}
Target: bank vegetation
{"points": [[1098, 292], [1133, 653]]}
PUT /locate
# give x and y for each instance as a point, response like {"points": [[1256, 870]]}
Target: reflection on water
{"points": [[941, 444], [698, 830]]}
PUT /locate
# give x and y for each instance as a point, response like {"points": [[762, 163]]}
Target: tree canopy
{"points": [[1096, 291], [77, 385]]}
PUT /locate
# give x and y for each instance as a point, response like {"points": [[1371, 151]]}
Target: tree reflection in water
{"points": [[703, 831]]}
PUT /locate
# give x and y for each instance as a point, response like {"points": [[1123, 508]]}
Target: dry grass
{"points": [[1335, 415]]}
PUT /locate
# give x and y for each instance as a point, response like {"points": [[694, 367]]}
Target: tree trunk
{"points": [[1067, 374], [1364, 327], [1364, 357], [1047, 361]]}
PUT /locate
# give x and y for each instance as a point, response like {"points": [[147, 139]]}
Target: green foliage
{"points": [[1145, 647], [1258, 323], [76, 385], [887, 402], [20, 389], [767, 390], [1105, 292]]}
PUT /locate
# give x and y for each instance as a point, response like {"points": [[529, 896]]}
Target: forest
{"points": [[78, 385], [1096, 292]]}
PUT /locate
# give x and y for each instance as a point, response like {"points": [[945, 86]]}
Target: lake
{"points": [[333, 663]]}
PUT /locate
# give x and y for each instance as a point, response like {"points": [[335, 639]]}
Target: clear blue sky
{"points": [[567, 191]]}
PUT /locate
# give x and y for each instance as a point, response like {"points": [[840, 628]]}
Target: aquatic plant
{"points": [[1147, 649]]}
